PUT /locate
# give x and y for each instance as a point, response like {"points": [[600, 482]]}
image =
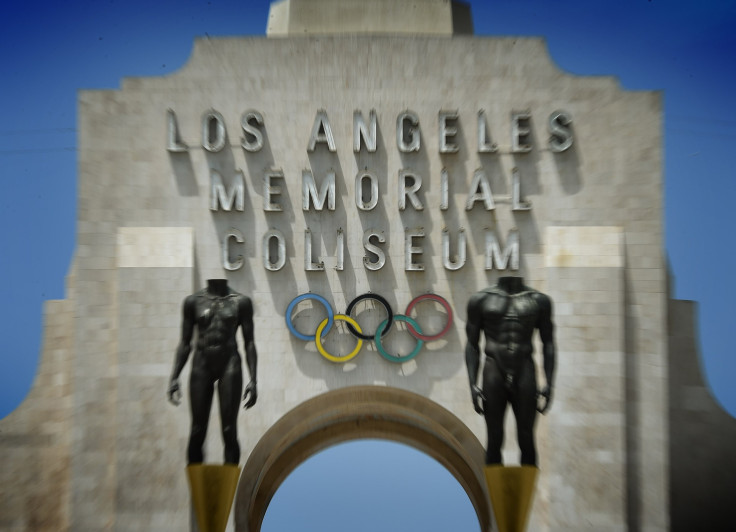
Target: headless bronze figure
{"points": [[507, 314], [217, 311]]}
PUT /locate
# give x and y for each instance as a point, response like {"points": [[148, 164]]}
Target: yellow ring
{"points": [[323, 351]]}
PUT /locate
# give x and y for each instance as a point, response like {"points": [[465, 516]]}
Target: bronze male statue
{"points": [[507, 314], [217, 311]]}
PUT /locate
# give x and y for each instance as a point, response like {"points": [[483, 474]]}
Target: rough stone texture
{"points": [[150, 437], [603, 447], [306, 17], [35, 439], [585, 436], [155, 247], [702, 435]]}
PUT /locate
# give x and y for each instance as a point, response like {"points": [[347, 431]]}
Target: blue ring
{"points": [[298, 299]]}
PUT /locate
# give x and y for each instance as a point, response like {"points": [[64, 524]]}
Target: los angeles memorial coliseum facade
{"points": [[368, 147]]}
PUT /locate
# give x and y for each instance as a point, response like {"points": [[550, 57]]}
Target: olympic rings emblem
{"points": [[356, 330]]}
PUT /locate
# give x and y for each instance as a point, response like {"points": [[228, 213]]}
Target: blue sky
{"points": [[52, 49]]}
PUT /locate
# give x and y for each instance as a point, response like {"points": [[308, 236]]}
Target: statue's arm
{"points": [[472, 349], [250, 396], [182, 350], [549, 354]]}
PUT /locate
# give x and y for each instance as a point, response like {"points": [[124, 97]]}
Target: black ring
{"points": [[383, 302]]}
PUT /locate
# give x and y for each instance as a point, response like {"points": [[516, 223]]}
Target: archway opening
{"points": [[359, 413], [369, 485]]}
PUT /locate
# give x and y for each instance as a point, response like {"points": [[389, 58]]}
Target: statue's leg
{"points": [[229, 389], [494, 409], [201, 389], [524, 404]]}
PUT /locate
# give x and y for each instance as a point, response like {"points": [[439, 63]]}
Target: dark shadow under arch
{"points": [[353, 413]]}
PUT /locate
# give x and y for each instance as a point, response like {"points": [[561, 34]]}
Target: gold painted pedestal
{"points": [[213, 490], [512, 490]]}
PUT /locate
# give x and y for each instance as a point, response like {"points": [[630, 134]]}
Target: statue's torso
{"points": [[508, 322], [217, 322]]}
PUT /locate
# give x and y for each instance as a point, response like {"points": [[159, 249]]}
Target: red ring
{"points": [[434, 297]]}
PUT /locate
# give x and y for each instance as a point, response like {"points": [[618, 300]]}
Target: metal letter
{"points": [[494, 254], [444, 190], [520, 131], [270, 189], [460, 258], [238, 263], [401, 141], [484, 144], [447, 131], [214, 135], [517, 204], [359, 199], [340, 252], [326, 192], [480, 181], [321, 132], [367, 133], [410, 250], [560, 130], [222, 199], [174, 143], [251, 122], [372, 248], [268, 261], [411, 191], [310, 266]]}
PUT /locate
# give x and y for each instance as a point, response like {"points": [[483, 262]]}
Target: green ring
{"points": [[390, 357]]}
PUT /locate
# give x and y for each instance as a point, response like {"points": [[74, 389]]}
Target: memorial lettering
{"points": [[318, 191]]}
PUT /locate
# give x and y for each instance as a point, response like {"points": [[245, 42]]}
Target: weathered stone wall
{"points": [[36, 438], [433, 17], [702, 434]]}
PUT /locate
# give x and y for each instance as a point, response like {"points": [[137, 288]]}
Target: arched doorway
{"points": [[356, 413]]}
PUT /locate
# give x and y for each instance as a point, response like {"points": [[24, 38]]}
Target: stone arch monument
{"points": [[355, 413], [359, 148]]}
